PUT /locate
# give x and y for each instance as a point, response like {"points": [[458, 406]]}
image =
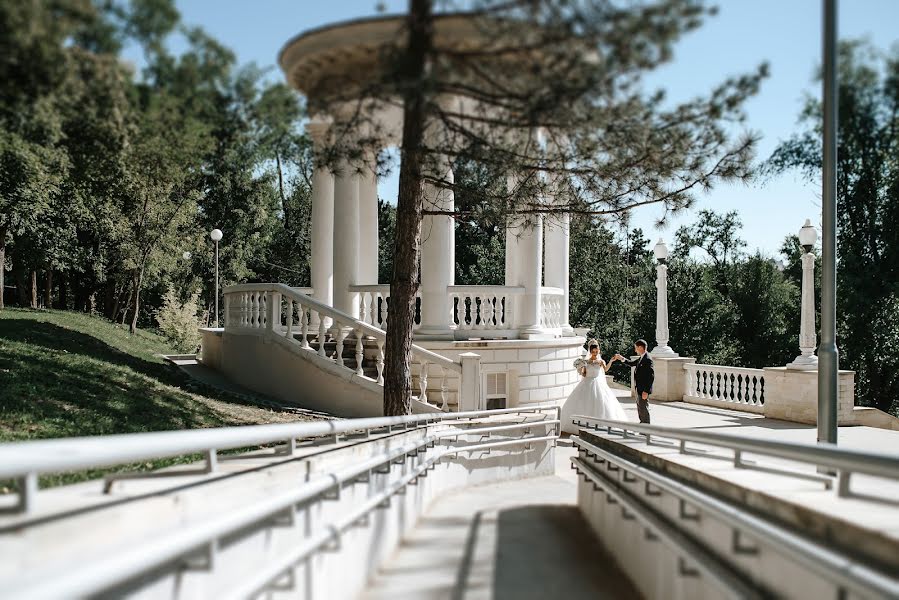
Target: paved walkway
{"points": [[519, 540], [526, 539]]}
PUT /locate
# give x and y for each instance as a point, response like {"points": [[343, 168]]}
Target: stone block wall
{"points": [[536, 370], [792, 395]]}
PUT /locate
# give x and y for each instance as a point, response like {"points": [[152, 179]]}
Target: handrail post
{"points": [[470, 382], [273, 310]]}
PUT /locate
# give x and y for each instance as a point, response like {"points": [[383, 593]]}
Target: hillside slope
{"points": [[71, 374]]}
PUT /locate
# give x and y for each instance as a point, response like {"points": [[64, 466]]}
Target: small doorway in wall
{"points": [[495, 395]]}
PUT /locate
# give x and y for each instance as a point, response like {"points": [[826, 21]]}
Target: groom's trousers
{"points": [[642, 406]]}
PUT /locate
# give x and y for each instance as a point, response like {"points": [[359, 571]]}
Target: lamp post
{"points": [[807, 361], [662, 349], [216, 235]]}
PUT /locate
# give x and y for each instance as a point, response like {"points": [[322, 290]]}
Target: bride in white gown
{"points": [[592, 397]]}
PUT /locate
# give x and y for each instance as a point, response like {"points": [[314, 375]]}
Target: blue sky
{"points": [[786, 33]]}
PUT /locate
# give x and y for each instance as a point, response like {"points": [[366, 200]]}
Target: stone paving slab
{"points": [[518, 540]]}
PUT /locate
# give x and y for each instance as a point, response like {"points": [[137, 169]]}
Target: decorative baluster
{"points": [[373, 308], [322, 330], [725, 387], [423, 381], [288, 331], [244, 301], [304, 325], [761, 391], [341, 335], [487, 311], [452, 308], [456, 303], [443, 405], [360, 354], [380, 362]]}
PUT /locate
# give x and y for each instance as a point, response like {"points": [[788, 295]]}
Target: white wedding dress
{"points": [[592, 398]]}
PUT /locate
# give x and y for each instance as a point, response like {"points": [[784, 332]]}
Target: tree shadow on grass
{"points": [[59, 382]]}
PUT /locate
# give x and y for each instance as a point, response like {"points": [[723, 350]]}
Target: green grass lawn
{"points": [[71, 374]]}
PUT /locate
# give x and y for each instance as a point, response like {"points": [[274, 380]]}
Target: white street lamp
{"points": [[662, 349], [216, 235], [807, 361]]}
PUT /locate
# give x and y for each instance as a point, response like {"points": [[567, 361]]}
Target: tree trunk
{"points": [[407, 242], [136, 306], [48, 289], [63, 293], [33, 295], [2, 265], [111, 300], [284, 207]]}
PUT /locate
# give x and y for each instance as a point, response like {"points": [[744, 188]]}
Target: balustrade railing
{"points": [[551, 307], [304, 322], [731, 385], [374, 302], [483, 307]]}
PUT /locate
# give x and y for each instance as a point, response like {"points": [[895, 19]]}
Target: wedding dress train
{"points": [[592, 398]]}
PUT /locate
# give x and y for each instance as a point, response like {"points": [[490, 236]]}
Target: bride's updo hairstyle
{"points": [[592, 344]]}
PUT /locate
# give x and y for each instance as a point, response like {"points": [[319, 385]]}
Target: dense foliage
{"points": [[867, 214], [110, 179]]}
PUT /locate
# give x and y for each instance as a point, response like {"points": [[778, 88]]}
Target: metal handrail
{"points": [[845, 461], [704, 560], [131, 562], [827, 563], [68, 454]]}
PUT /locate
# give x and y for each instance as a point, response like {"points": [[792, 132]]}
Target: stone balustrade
{"points": [[728, 387], [775, 392], [374, 303], [483, 307], [304, 323], [551, 307]]}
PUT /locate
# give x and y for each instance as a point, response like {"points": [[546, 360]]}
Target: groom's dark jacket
{"points": [[644, 373]]}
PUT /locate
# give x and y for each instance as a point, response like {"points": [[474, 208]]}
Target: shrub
{"points": [[180, 322]]}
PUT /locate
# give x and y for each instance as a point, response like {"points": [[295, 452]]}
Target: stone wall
{"points": [[536, 370]]}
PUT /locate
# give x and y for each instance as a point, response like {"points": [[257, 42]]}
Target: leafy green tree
{"points": [[609, 146], [867, 213]]}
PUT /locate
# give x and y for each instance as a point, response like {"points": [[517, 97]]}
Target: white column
{"points": [[321, 266], [530, 276], [557, 262], [662, 348], [807, 338], [346, 239], [438, 266], [368, 223]]}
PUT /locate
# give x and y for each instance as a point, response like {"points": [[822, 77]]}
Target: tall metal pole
{"points": [[828, 357], [216, 283]]}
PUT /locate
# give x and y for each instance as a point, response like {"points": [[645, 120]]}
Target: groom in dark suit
{"points": [[644, 375]]}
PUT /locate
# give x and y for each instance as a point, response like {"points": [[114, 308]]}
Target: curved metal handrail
{"points": [[827, 563], [18, 459]]}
